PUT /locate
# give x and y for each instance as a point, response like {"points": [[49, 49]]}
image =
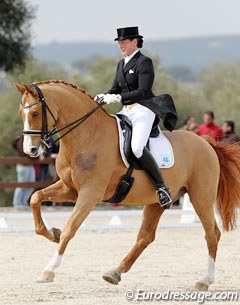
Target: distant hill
{"points": [[194, 53]]}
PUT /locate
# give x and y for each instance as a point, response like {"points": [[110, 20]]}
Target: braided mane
{"points": [[54, 81]]}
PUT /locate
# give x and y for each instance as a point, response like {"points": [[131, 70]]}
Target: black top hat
{"points": [[127, 33]]}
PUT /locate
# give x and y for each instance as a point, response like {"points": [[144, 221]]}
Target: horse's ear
{"points": [[20, 88], [30, 90]]}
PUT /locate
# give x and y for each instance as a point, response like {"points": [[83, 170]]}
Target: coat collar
{"points": [[131, 62]]}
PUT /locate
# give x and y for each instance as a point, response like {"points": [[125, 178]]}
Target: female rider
{"points": [[133, 83]]}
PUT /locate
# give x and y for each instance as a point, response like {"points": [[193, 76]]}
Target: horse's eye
{"points": [[35, 113]]}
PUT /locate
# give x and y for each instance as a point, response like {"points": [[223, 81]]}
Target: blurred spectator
{"points": [[228, 129], [25, 173], [189, 121], [52, 168], [209, 127], [193, 127], [43, 170], [52, 153]]}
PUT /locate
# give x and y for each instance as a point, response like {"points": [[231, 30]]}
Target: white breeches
{"points": [[142, 120]]}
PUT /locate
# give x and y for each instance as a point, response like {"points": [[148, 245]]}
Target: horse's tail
{"points": [[228, 196]]}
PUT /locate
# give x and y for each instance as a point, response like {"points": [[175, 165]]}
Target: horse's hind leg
{"points": [[212, 236], [146, 235], [205, 211]]}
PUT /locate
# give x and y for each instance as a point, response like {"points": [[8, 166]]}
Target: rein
{"points": [[45, 133]]}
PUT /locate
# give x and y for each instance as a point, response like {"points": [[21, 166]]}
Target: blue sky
{"points": [[89, 20]]}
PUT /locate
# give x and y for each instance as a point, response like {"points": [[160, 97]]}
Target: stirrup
{"points": [[163, 196]]}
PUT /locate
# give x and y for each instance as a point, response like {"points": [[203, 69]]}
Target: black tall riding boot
{"points": [[151, 168]]}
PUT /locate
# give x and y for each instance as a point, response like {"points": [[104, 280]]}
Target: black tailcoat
{"points": [[134, 83]]}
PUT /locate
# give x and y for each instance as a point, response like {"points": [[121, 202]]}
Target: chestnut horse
{"points": [[89, 167]]}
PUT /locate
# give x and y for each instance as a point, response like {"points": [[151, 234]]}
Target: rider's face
{"points": [[127, 46]]}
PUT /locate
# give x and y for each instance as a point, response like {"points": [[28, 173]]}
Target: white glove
{"points": [[112, 98], [98, 97]]}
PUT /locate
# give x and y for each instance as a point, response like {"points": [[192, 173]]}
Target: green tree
{"points": [[15, 36], [35, 72], [181, 73], [98, 77], [97, 74]]}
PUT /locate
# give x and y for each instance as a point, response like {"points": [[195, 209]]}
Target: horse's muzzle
{"points": [[35, 151]]}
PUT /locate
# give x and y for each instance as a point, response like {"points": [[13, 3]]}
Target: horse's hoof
{"points": [[112, 277], [46, 277], [201, 286], [56, 234]]}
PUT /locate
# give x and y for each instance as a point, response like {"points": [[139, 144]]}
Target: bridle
{"points": [[44, 132]]}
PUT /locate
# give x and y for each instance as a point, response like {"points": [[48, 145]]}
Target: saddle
{"points": [[126, 181], [126, 126]]}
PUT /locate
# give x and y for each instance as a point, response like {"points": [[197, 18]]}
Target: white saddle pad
{"points": [[160, 148]]}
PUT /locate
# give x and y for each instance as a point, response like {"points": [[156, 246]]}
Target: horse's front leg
{"points": [[86, 201], [57, 192], [146, 235]]}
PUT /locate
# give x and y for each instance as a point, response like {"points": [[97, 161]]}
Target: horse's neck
{"points": [[71, 105]]}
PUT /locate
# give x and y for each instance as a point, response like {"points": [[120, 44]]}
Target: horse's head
{"points": [[38, 119]]}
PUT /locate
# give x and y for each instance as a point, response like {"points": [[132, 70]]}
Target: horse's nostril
{"points": [[34, 150]]}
